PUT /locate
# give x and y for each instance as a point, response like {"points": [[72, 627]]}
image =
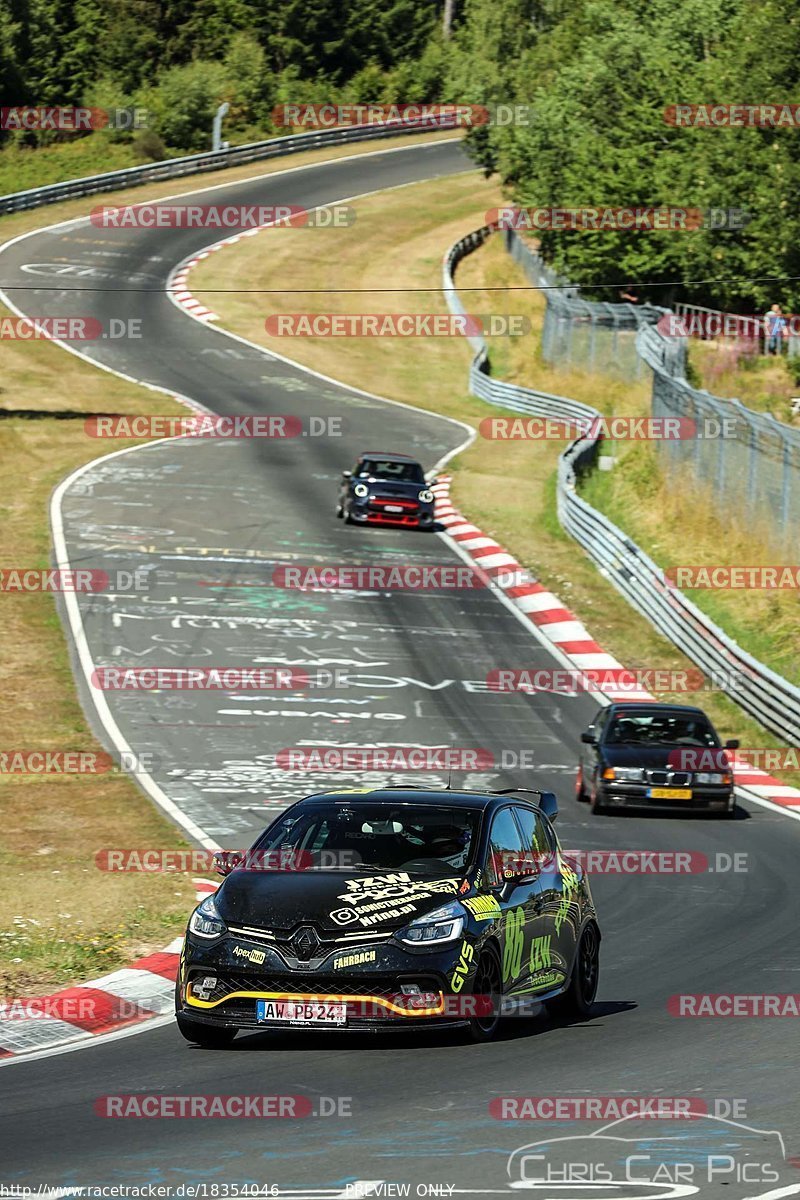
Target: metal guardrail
{"points": [[761, 692], [215, 160]]}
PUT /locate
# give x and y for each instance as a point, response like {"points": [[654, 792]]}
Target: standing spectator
{"points": [[775, 327]]}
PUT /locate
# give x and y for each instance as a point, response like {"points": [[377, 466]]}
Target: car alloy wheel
{"points": [[487, 983]]}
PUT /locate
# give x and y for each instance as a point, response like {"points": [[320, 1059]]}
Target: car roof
{"points": [[627, 705], [419, 796], [388, 455]]}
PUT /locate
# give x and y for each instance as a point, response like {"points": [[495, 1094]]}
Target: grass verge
{"points": [[63, 920]]}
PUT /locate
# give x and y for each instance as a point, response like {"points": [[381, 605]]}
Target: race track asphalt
{"points": [[208, 522]]}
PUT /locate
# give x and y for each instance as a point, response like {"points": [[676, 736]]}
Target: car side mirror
{"points": [[589, 738], [732, 744], [347, 474], [226, 861], [517, 871]]}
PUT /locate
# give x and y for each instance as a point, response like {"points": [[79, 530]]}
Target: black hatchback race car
{"points": [[386, 489], [650, 755], [392, 909]]}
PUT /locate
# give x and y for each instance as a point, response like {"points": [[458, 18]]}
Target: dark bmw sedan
{"points": [[657, 756], [386, 489], [390, 910]]}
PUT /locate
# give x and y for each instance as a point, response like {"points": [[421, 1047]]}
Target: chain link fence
{"points": [[582, 333], [749, 460]]}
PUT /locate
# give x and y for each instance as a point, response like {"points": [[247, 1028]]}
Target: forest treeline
{"points": [[595, 76]]}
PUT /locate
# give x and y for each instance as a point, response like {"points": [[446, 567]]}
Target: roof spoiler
{"points": [[548, 801]]}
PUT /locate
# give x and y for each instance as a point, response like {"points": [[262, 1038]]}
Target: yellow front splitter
{"points": [[323, 998]]}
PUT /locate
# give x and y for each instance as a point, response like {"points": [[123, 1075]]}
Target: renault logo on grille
{"points": [[305, 943]]}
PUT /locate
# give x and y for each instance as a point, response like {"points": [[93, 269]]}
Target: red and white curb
{"points": [[181, 294], [567, 634], [765, 786], [76, 1014], [540, 607], [178, 281]]}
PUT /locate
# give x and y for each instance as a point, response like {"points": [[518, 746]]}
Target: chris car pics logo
{"points": [[638, 1158]]}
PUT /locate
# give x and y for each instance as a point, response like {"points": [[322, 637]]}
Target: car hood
{"points": [[393, 487], [332, 901], [651, 756]]}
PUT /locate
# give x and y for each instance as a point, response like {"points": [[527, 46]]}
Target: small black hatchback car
{"points": [[386, 489], [392, 909]]}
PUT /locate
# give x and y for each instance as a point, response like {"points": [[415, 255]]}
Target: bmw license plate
{"points": [[296, 1012], [392, 508], [670, 793]]}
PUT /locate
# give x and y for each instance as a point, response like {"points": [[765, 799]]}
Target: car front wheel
{"points": [[210, 1037], [488, 984], [596, 800]]}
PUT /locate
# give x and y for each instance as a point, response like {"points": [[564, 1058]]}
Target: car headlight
{"points": [[426, 496], [712, 777], [361, 490], [629, 774], [205, 921], [445, 924]]}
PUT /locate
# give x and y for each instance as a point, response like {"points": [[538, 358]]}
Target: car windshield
{"points": [[659, 728], [385, 468], [427, 839]]}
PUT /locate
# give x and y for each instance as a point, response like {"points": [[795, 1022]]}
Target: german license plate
{"points": [[393, 508], [670, 793], [296, 1012]]}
